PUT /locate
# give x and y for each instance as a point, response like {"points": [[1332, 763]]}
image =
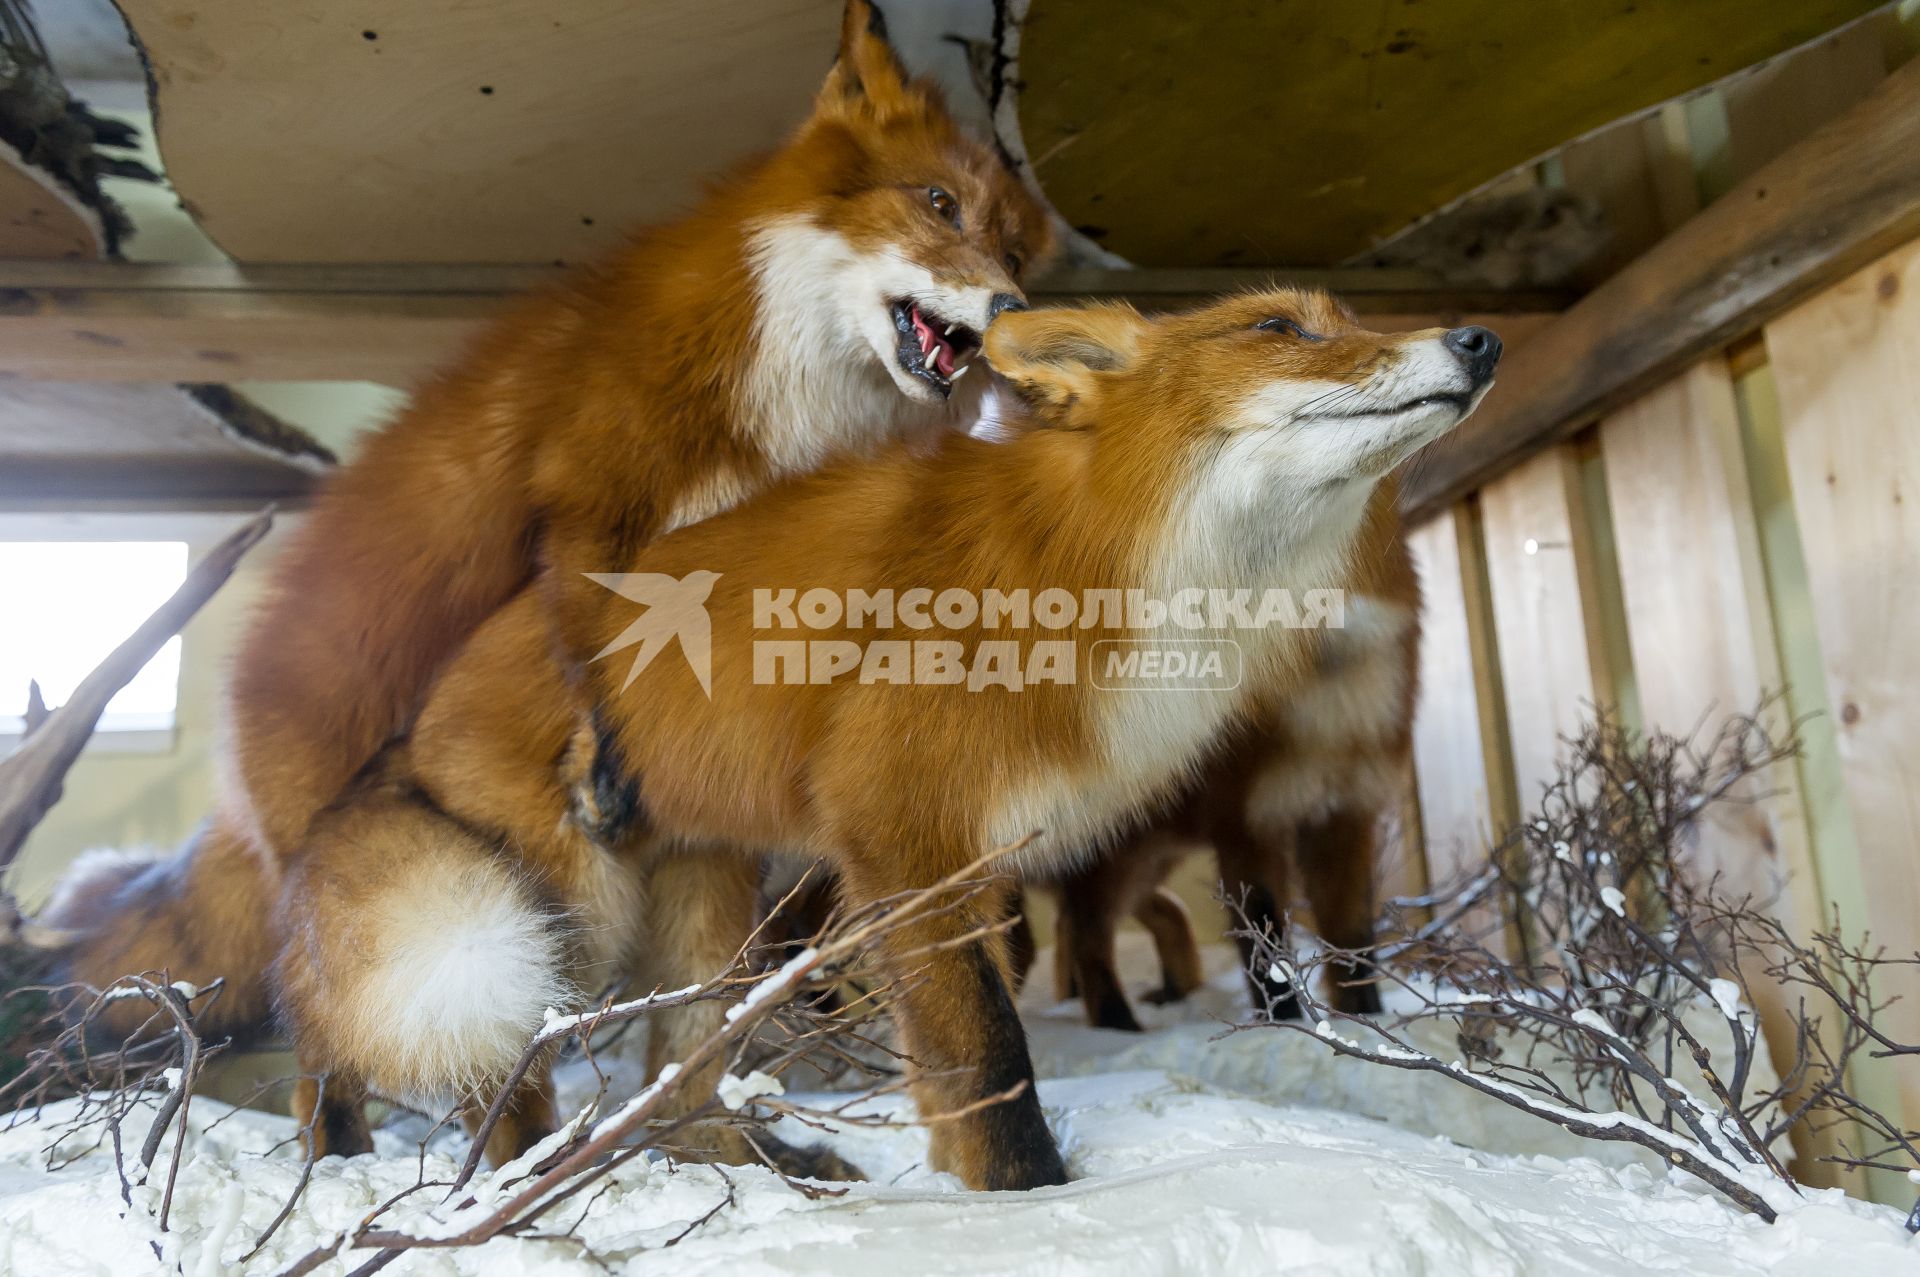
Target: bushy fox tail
{"points": [[203, 913]]}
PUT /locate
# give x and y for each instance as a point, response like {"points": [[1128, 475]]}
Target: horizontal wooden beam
{"points": [[169, 482], [1834, 202], [112, 321]]}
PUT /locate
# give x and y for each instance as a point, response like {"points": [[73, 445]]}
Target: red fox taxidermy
{"points": [[818, 303], [1239, 445], [1299, 790]]}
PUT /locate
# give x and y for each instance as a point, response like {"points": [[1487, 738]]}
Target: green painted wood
{"points": [[1267, 132]]}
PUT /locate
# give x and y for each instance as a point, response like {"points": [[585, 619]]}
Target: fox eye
{"points": [[1014, 264], [943, 203], [1279, 324]]}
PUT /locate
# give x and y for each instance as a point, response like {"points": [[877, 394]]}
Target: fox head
{"points": [[896, 241], [1263, 420]]}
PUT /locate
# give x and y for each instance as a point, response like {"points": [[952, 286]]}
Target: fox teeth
{"points": [[950, 328], [959, 372]]}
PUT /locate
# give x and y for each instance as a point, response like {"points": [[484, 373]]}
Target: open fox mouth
{"points": [[932, 349]]}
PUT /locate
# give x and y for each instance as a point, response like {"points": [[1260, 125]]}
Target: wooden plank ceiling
{"points": [[1260, 133], [450, 131], [66, 441]]}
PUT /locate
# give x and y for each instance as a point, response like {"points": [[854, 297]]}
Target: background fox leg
{"points": [[528, 1118], [341, 1129], [958, 1025], [1168, 922], [1066, 980], [1336, 858], [700, 908], [1020, 942], [1253, 869], [1096, 974]]}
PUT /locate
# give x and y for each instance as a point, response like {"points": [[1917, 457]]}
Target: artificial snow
{"points": [[1259, 1152]]}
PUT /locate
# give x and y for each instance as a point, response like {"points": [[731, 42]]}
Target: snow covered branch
{"points": [[1616, 998]]}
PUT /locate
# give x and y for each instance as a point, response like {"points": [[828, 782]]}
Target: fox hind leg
{"points": [[1336, 857], [1166, 919]]}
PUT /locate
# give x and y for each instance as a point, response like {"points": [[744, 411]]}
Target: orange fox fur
{"points": [[752, 339], [435, 913], [1301, 789]]}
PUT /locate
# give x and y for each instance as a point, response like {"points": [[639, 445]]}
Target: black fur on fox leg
{"points": [[1354, 989], [343, 1126], [1022, 1153], [607, 806], [1276, 998], [1105, 1001]]}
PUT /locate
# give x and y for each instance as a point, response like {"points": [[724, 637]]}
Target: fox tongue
{"points": [[938, 353]]}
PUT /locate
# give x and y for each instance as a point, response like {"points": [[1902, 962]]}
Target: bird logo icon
{"points": [[676, 609]]}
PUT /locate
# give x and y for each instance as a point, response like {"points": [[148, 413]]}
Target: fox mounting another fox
{"points": [[819, 302], [1242, 443]]}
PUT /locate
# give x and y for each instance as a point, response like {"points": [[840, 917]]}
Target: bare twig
{"points": [[1626, 957]]}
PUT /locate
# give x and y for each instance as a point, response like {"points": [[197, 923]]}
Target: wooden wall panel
{"points": [[1540, 576], [1700, 629], [1847, 365], [1698, 622], [1454, 748]]}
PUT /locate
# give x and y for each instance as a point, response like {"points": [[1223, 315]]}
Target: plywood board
{"points": [[138, 441], [1774, 106], [1303, 133], [445, 130], [1847, 365], [1639, 175], [38, 219]]}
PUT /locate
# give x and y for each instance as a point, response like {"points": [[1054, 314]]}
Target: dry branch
{"points": [[1625, 961]]}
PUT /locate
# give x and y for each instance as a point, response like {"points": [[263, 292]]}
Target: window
{"points": [[68, 604]]}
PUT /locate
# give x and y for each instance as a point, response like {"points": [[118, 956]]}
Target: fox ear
{"points": [[1054, 357], [867, 71]]}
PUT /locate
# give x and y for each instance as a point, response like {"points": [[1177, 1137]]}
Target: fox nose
{"points": [[1003, 302], [1477, 348]]}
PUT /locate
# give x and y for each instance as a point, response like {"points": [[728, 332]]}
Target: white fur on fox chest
{"points": [[1235, 531]]}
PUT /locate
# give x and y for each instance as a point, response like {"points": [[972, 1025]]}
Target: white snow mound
{"points": [[1190, 1155]]}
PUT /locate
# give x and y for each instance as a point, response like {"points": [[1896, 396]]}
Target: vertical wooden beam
{"points": [[1847, 365]]}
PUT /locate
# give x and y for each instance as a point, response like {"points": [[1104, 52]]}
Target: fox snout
{"points": [[1478, 350]]}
